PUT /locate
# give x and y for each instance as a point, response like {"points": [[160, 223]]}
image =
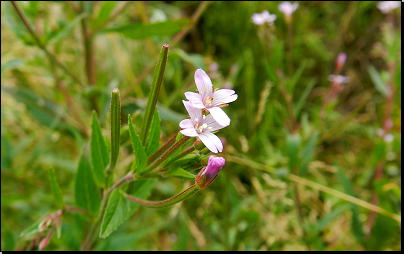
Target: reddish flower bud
{"points": [[43, 243], [210, 172], [341, 58]]}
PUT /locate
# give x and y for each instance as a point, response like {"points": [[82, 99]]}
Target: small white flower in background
{"points": [[386, 6], [263, 17], [388, 138], [201, 126], [288, 8], [210, 100], [339, 79], [380, 132]]}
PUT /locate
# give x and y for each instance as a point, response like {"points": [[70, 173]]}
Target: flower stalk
{"points": [[165, 155]]}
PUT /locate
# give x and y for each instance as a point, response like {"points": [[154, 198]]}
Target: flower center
{"points": [[199, 128], [208, 101]]}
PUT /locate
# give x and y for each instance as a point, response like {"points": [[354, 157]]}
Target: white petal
{"points": [[195, 99], [223, 96], [190, 132], [212, 142], [186, 123], [203, 83], [220, 116], [193, 112], [212, 124]]}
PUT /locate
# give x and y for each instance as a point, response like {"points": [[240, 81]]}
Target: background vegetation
{"points": [[302, 171]]}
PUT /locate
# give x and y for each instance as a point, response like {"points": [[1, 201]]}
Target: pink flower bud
{"points": [[341, 58], [210, 172], [43, 243]]}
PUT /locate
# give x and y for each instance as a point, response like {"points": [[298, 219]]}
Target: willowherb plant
{"points": [[118, 202]]}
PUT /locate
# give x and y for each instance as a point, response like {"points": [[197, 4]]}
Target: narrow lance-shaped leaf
{"points": [[138, 149], [293, 145], [308, 152], [141, 31], [152, 144], [86, 191], [115, 128], [99, 153], [154, 93], [120, 209], [57, 193]]}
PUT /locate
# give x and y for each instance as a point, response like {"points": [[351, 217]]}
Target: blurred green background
{"points": [[281, 124]]}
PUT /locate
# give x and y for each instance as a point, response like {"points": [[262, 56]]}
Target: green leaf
{"points": [[357, 227], [181, 174], [14, 23], [140, 31], [105, 12], [292, 149], [308, 152], [43, 110], [334, 214], [153, 142], [296, 76], [377, 80], [138, 149], [64, 31], [33, 229], [86, 191], [99, 152], [120, 209], [57, 193], [303, 97]]}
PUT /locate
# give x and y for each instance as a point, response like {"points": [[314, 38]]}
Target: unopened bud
{"points": [[341, 58], [210, 172], [43, 243]]}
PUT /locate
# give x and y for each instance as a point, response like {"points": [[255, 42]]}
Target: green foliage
{"points": [[138, 31], [56, 191], [86, 192], [305, 158], [141, 157], [120, 209], [153, 141], [99, 153]]}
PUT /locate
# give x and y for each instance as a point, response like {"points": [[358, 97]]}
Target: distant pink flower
{"points": [[211, 100], [386, 6], [210, 172], [288, 8], [201, 126], [263, 17]]}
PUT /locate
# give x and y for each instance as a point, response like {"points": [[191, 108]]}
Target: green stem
{"points": [[40, 45], [185, 152], [167, 202], [154, 93], [165, 155], [162, 149], [88, 51]]}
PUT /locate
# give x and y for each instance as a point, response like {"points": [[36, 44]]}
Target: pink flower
{"points": [[386, 6], [210, 100], [210, 172], [288, 8], [338, 79], [261, 18], [201, 126]]}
